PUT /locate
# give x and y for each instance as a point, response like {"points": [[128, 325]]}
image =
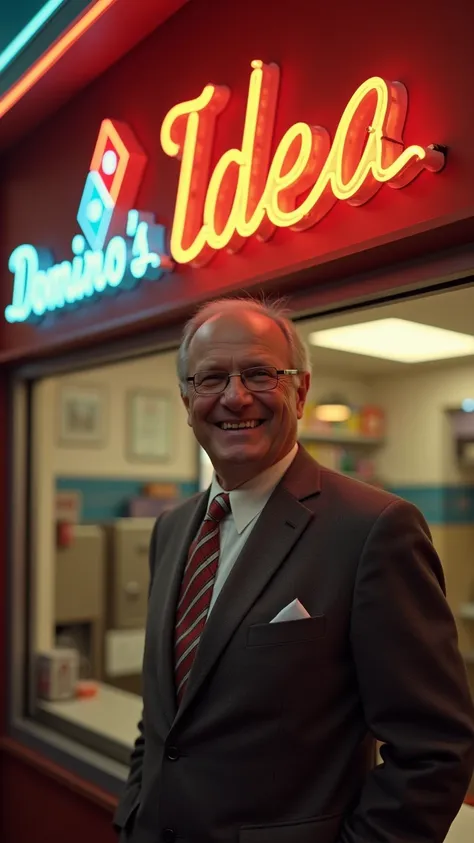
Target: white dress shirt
{"points": [[246, 503]]}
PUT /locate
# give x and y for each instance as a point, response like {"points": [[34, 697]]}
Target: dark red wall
{"points": [[325, 51], [35, 808]]}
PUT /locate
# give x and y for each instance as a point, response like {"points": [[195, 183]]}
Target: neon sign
{"points": [[40, 286], [250, 192]]}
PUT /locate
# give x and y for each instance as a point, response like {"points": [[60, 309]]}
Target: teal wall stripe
{"points": [[106, 498], [441, 504]]}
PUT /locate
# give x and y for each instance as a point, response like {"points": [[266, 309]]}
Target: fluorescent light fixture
{"points": [[28, 32], [396, 339]]}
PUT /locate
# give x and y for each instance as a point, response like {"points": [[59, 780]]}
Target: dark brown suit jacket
{"points": [[274, 741]]}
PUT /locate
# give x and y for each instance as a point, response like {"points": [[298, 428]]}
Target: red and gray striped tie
{"points": [[196, 591]]}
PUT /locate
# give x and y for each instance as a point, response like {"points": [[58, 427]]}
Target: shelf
{"points": [[341, 439], [467, 611]]}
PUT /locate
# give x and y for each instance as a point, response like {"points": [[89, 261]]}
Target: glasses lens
{"points": [[209, 383], [260, 378]]}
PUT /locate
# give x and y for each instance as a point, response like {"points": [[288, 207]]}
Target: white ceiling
{"points": [[453, 310]]}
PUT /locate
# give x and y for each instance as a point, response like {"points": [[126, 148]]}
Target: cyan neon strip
{"points": [[28, 32]]}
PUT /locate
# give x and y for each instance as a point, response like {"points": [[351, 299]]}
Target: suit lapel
{"points": [[279, 527], [167, 585]]}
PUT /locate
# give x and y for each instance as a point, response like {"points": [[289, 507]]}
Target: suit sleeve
{"points": [[413, 687], [131, 792]]}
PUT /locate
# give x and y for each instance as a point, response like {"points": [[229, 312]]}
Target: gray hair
{"points": [[299, 352]]}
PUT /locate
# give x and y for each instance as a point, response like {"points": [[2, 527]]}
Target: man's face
{"points": [[230, 343]]}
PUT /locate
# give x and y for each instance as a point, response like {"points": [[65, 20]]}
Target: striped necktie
{"points": [[196, 590]]}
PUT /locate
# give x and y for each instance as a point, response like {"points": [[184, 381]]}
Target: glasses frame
{"points": [[241, 375]]}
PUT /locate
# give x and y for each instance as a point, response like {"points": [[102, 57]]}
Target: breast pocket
{"points": [[286, 632], [318, 830]]}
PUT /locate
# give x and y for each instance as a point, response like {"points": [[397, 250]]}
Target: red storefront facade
{"points": [[373, 241]]}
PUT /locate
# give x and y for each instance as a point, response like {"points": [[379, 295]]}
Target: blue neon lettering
{"points": [[41, 286], [19, 261], [38, 287], [115, 263], [132, 223], [58, 289], [23, 263], [142, 259], [77, 276], [92, 277]]}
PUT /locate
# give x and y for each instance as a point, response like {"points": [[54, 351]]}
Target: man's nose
{"points": [[236, 394]]}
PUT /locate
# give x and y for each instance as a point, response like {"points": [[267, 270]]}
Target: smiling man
{"points": [[295, 616], [246, 395]]}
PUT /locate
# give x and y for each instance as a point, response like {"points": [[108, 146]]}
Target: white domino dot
{"points": [[94, 210], [109, 162]]}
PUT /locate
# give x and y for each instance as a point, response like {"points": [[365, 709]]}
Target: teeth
{"points": [[239, 426]]}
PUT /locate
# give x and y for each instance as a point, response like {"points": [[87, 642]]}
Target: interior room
{"points": [[112, 449]]}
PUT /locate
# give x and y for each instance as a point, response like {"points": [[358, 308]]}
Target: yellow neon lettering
{"points": [[294, 169], [187, 133], [248, 194], [231, 211]]}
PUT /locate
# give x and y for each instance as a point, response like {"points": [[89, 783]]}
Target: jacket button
{"points": [[168, 835], [172, 753]]}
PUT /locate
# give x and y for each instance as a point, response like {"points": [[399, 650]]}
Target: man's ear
{"points": [[185, 400], [302, 392]]}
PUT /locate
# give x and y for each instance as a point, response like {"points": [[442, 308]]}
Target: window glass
{"points": [[112, 449], [401, 376]]}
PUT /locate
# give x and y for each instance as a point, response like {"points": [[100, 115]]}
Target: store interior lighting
{"points": [[332, 409], [396, 339]]}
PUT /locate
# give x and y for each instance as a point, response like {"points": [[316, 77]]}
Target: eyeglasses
{"points": [[255, 379]]}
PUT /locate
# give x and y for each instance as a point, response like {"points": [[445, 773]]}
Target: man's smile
{"points": [[249, 424]]}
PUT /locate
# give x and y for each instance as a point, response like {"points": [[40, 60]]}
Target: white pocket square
{"points": [[295, 611]]}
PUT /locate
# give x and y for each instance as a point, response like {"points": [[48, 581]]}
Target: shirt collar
{"points": [[249, 499]]}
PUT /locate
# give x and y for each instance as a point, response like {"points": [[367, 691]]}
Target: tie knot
{"points": [[219, 508]]}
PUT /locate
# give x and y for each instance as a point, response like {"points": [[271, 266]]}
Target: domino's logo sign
{"points": [[115, 174], [119, 246]]}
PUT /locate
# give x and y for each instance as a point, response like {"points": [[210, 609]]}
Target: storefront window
{"points": [[405, 393], [112, 449]]}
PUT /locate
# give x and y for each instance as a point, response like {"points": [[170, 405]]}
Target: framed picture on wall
{"points": [[149, 426], [81, 415]]}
